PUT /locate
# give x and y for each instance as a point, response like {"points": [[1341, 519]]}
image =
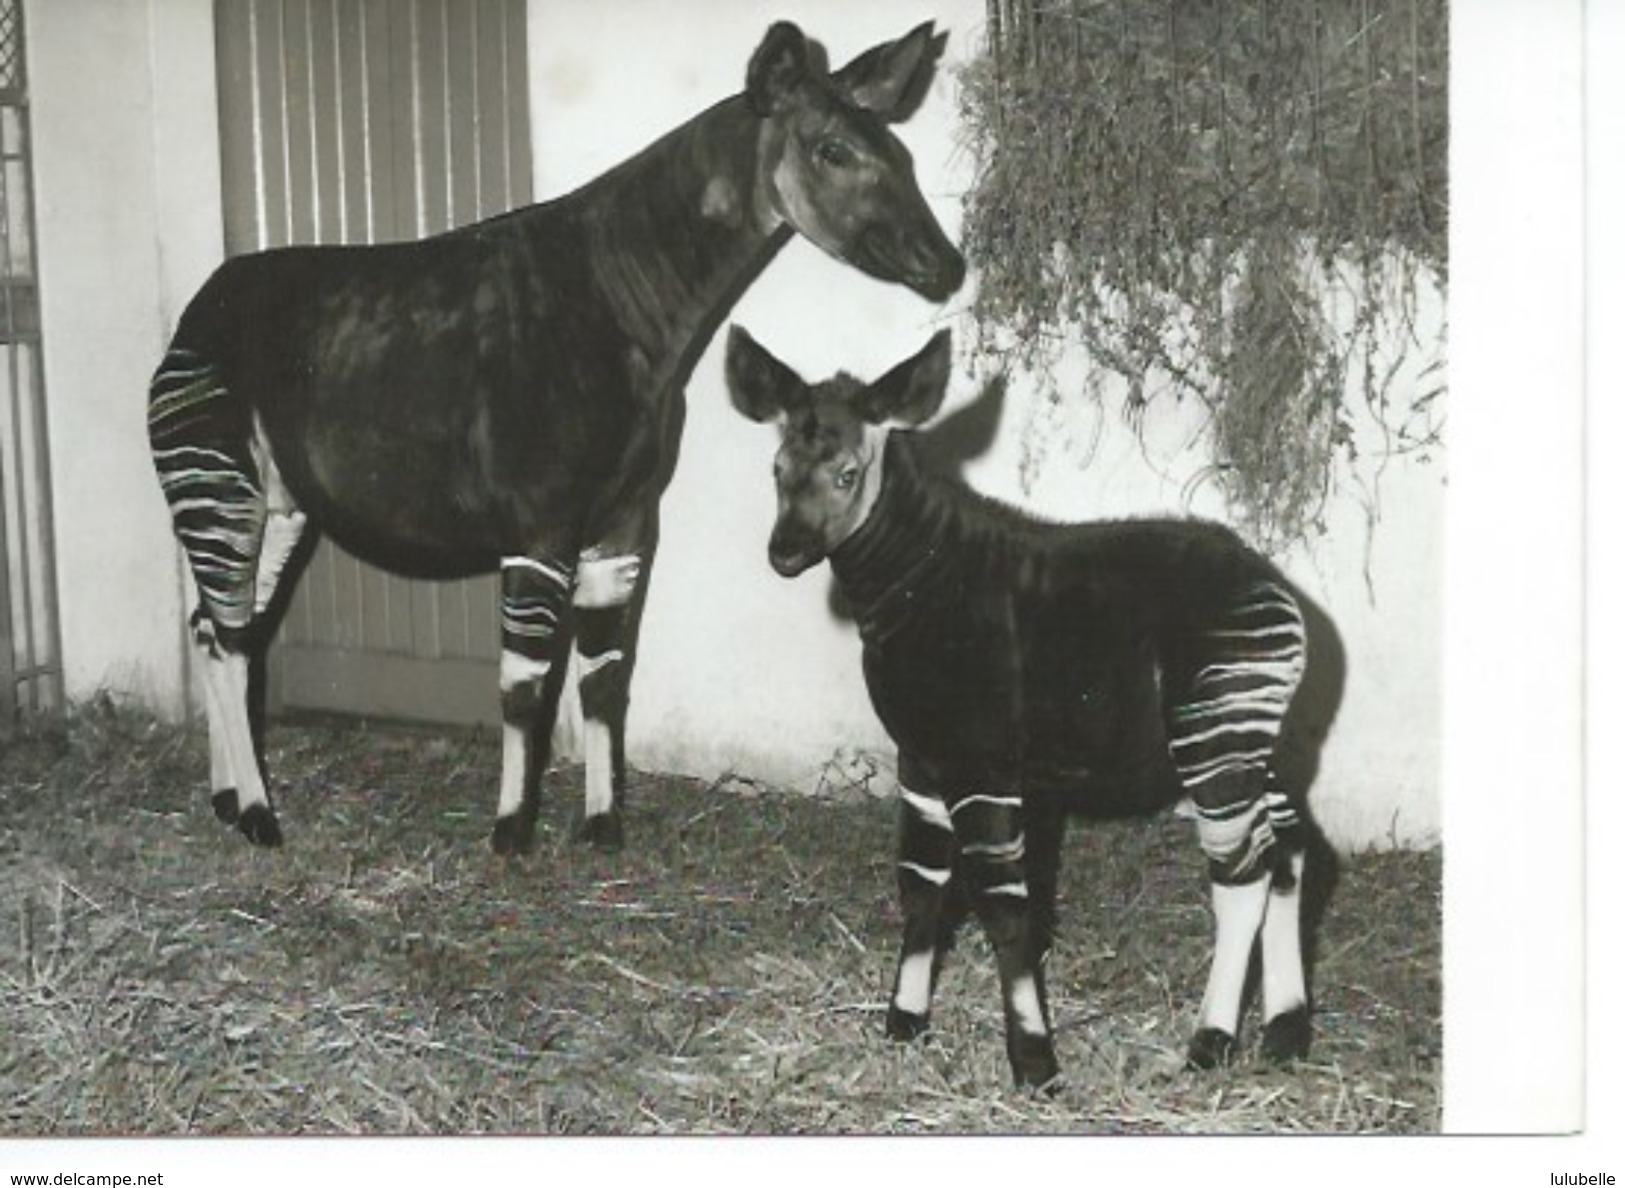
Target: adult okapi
{"points": [[1029, 670], [510, 395]]}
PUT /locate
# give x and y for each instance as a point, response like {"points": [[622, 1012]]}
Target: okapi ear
{"points": [[758, 384], [776, 68], [893, 79], [911, 393]]}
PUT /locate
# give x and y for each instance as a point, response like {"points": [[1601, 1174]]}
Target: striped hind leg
{"points": [[1223, 733], [237, 528]]}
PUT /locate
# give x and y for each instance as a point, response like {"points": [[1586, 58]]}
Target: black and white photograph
{"points": [[813, 568]]}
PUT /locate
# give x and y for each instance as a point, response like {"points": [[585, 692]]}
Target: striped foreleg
{"points": [[992, 848], [926, 848], [535, 594]]}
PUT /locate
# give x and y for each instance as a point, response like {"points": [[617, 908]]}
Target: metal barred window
{"points": [[30, 647]]}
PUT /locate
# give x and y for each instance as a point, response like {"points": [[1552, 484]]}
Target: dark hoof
{"points": [[1286, 1037], [225, 805], [1032, 1060], [1211, 1048], [602, 832], [258, 825], [512, 835], [905, 1026]]}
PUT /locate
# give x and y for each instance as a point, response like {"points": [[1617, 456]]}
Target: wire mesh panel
{"points": [[30, 649], [357, 121]]}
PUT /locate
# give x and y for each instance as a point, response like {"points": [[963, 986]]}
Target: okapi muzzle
{"points": [[799, 542], [919, 256]]}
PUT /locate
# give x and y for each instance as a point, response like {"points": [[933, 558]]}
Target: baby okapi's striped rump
{"points": [[1225, 725]]}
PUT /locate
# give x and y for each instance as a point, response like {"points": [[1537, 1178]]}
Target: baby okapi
{"points": [[1026, 670], [508, 397]]}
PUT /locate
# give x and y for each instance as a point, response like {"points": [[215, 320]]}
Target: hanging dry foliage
{"points": [[1189, 186]]}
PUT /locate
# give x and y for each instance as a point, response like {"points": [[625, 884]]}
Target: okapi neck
{"points": [[670, 255], [889, 565]]}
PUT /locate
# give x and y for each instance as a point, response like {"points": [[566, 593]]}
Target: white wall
{"points": [[127, 179], [744, 671]]}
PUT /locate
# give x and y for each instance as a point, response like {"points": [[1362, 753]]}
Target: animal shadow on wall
{"points": [[947, 448]]}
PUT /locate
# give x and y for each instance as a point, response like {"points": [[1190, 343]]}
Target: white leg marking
{"points": [[515, 755], [553, 573], [214, 710], [1238, 912], [928, 873], [1025, 1006], [606, 581], [282, 533], [220, 776], [591, 664], [600, 789], [1017, 889], [914, 983], [1000, 801], [1283, 948], [1006, 851], [516, 669], [928, 808], [225, 692]]}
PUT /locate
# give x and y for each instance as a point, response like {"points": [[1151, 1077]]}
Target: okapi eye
{"points": [[835, 153], [845, 479]]}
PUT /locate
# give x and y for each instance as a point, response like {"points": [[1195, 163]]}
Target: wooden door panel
{"points": [[358, 121]]}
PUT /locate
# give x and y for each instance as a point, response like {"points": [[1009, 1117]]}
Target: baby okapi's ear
{"points": [[776, 68], [892, 79], [758, 384], [910, 393]]}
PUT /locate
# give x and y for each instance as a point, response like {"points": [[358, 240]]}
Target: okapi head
{"points": [[833, 170], [832, 439]]}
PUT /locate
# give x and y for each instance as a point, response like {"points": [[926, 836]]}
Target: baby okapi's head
{"points": [[832, 439]]}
